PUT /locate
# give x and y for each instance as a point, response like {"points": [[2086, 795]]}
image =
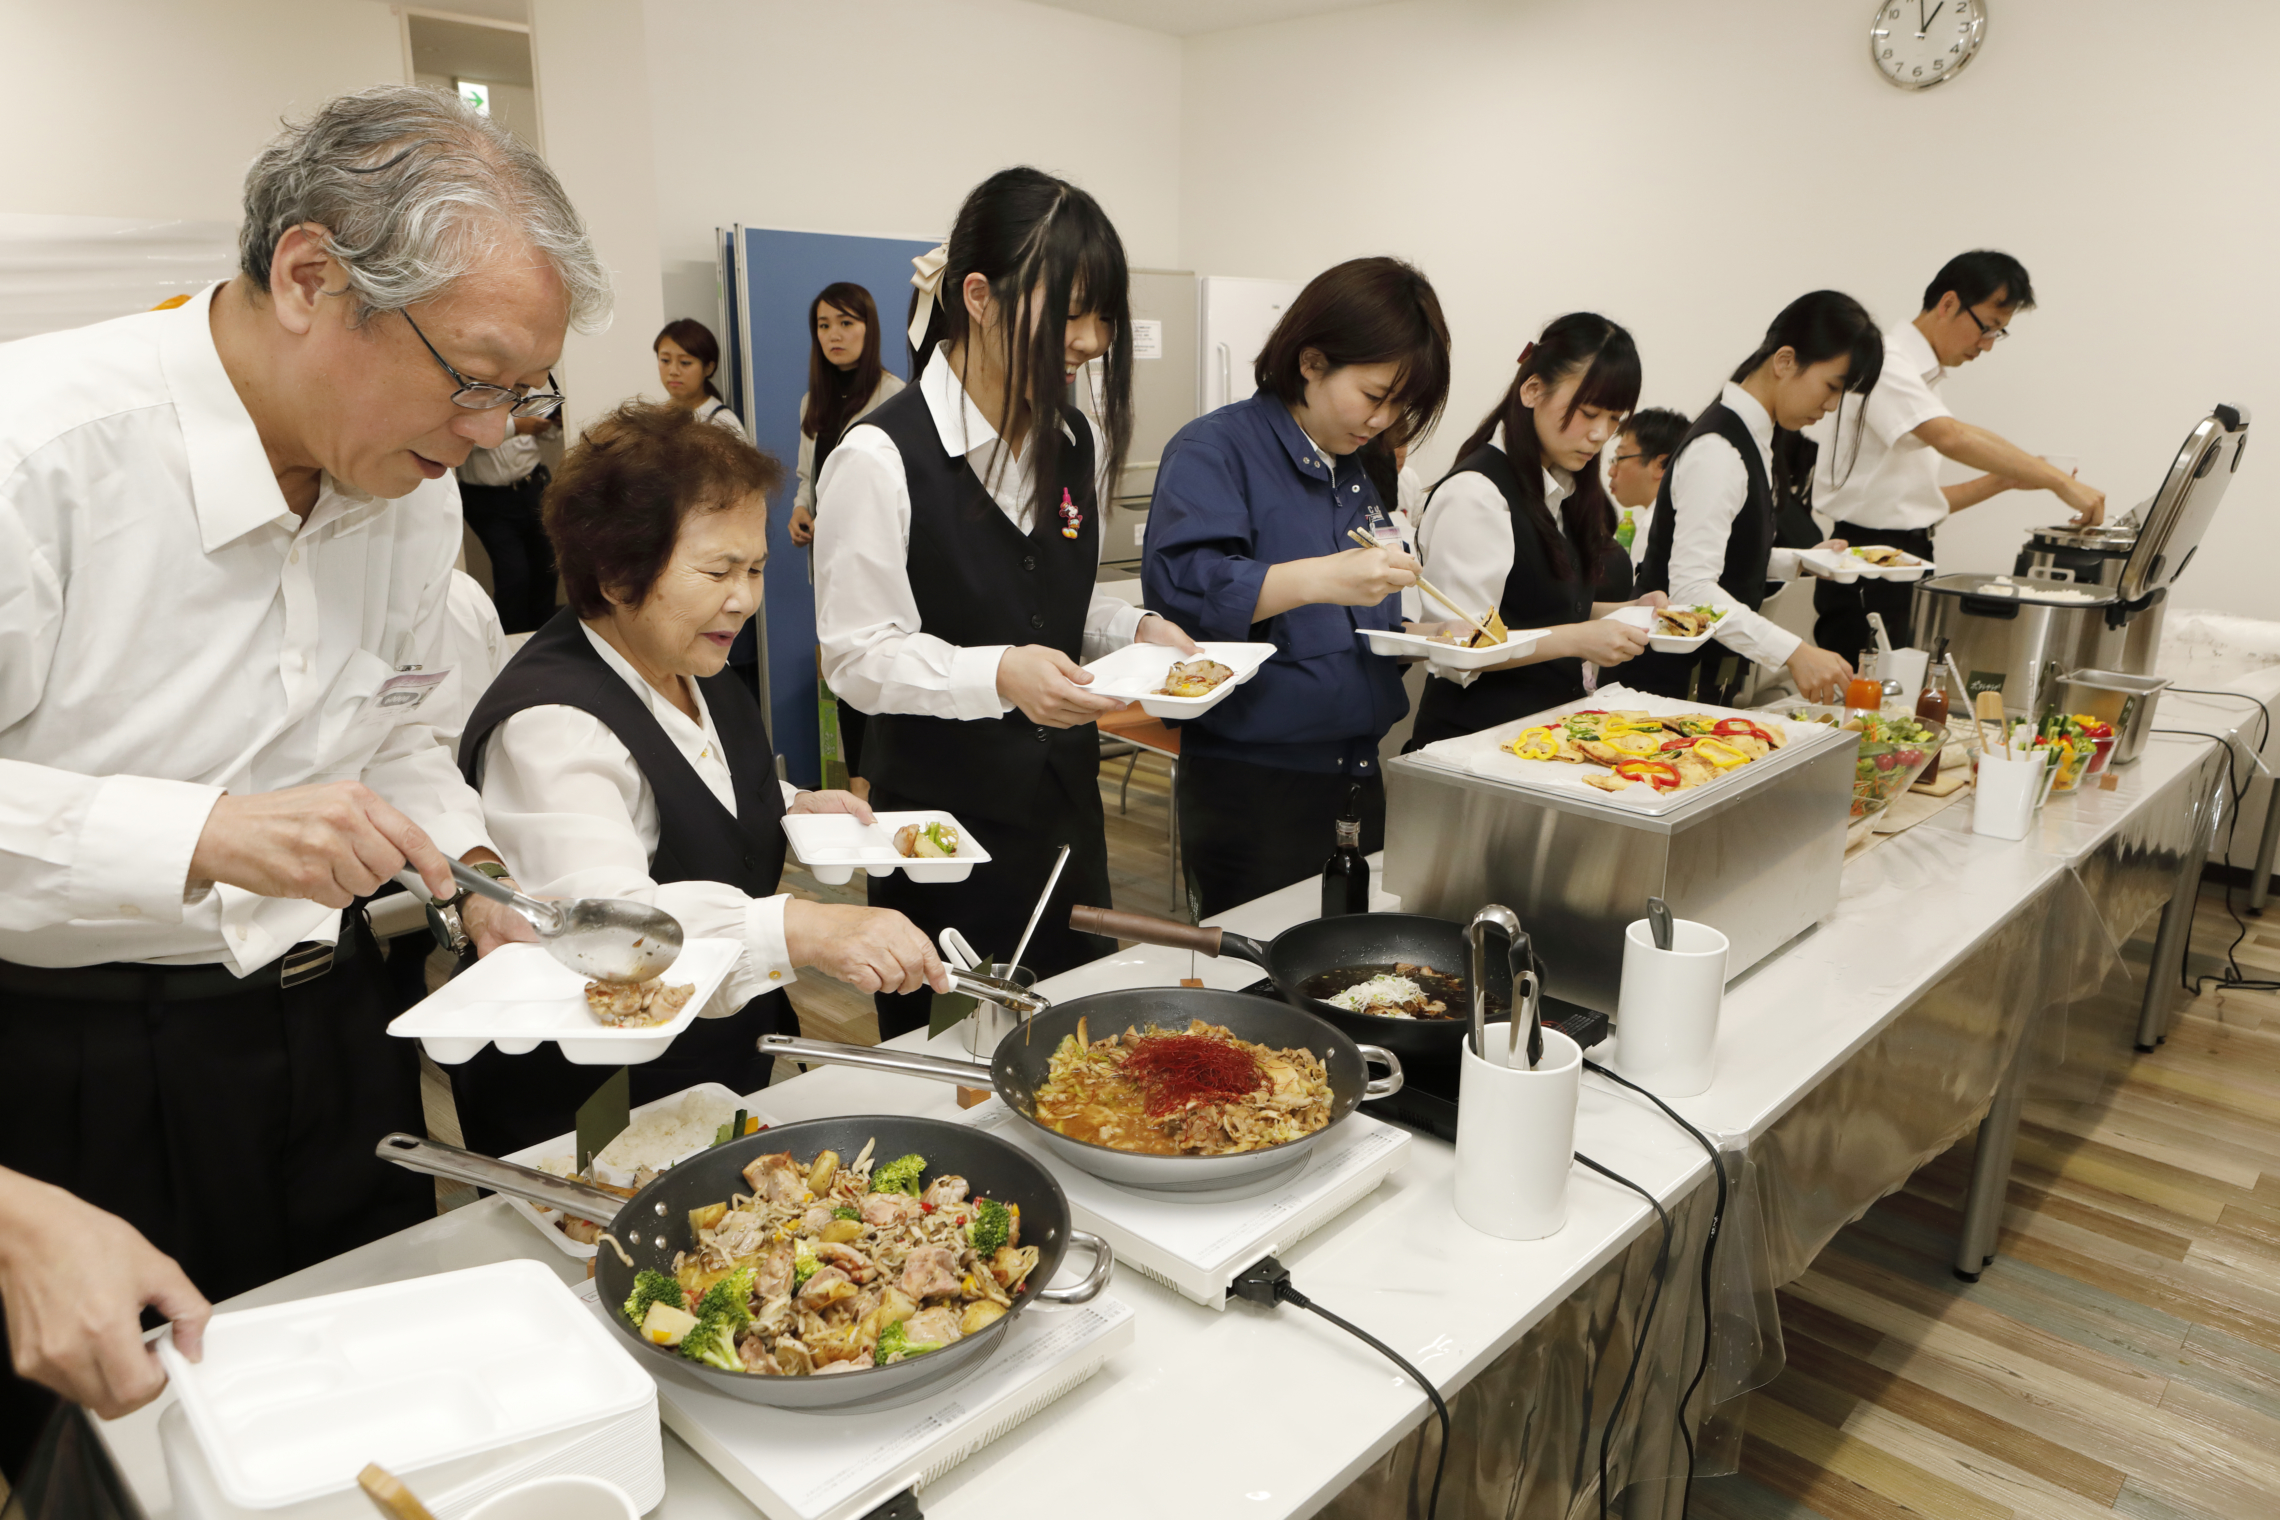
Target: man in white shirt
{"points": [[1643, 446], [226, 541], [1878, 474], [500, 491]]}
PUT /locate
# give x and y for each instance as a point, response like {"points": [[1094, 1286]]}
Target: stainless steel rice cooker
{"points": [[2017, 636]]}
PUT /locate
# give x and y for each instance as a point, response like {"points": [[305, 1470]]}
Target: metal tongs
{"points": [[1527, 991]]}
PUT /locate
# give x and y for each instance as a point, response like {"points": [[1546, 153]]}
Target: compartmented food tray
{"points": [[834, 845], [1845, 566], [1408, 646], [1137, 670], [519, 997], [1643, 619], [291, 1401]]}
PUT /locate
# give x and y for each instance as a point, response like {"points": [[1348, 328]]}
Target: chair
{"points": [[1129, 731]]}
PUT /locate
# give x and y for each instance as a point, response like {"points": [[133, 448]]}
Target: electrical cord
{"points": [[2232, 978], [1646, 1322], [1267, 1281], [1709, 1255]]}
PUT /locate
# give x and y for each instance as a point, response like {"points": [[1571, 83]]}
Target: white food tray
{"points": [[1643, 619], [518, 997], [1408, 646], [832, 845], [1845, 566], [564, 1149], [1135, 671], [291, 1401]]}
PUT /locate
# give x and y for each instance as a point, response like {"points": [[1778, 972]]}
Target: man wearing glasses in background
{"points": [[226, 534], [1879, 460]]}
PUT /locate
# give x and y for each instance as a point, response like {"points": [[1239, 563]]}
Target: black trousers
{"points": [[235, 1132], [992, 906], [507, 1102], [1841, 621], [851, 736], [506, 519], [1248, 830], [1712, 675]]}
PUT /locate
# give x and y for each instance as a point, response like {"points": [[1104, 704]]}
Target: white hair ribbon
{"points": [[926, 279]]}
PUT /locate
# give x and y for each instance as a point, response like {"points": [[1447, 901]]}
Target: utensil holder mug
{"points": [[1666, 1012], [1516, 1135], [2006, 794]]}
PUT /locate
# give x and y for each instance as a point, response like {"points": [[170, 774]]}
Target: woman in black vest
{"points": [[617, 759], [1716, 537], [1489, 536], [957, 542]]}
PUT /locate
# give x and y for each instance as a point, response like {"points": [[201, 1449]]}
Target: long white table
{"points": [[1249, 1412]]}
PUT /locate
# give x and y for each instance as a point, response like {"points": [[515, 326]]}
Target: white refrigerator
{"points": [[1233, 317]]}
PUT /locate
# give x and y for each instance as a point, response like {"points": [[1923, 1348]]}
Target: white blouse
{"points": [[803, 494], [1464, 544], [572, 810], [1708, 486], [720, 415], [875, 653]]}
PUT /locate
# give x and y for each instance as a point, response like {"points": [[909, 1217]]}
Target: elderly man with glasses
{"points": [[226, 539], [1878, 470]]}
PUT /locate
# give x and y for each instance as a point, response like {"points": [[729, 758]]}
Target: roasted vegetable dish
{"points": [[927, 841], [1670, 754]]}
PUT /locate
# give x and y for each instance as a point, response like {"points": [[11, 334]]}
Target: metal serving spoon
{"points": [[605, 938]]}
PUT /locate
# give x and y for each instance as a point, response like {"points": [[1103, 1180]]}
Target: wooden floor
{"points": [[2121, 1356]]}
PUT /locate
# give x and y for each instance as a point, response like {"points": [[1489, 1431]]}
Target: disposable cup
{"points": [[1516, 1135], [1666, 1010], [1906, 666], [563, 1497], [2006, 794]]}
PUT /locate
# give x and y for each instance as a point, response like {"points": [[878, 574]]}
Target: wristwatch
{"points": [[443, 912]]}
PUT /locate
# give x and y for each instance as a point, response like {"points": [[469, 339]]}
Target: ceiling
{"points": [[1184, 18], [461, 50]]}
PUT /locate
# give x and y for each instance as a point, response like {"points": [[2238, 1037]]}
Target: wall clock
{"points": [[1916, 44]]}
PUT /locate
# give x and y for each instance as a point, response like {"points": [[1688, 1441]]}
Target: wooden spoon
{"points": [[1986, 708]]}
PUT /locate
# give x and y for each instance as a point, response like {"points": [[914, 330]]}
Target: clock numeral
{"points": [[1887, 53]]}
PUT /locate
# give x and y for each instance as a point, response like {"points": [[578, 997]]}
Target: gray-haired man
{"points": [[226, 535]]}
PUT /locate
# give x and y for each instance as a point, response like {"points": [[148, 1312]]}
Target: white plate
{"points": [[565, 1149], [518, 996], [832, 845], [1135, 671], [1408, 646], [1846, 567], [290, 1400], [1643, 619]]}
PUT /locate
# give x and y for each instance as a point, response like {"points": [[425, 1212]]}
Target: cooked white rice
{"points": [[1382, 988], [674, 1130]]}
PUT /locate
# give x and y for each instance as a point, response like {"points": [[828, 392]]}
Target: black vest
{"points": [[697, 838], [979, 580], [1534, 597], [1749, 543]]}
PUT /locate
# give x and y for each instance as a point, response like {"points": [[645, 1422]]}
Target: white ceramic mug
{"points": [[1906, 666], [1666, 1013], [565, 1496], [2006, 794], [1516, 1135]]}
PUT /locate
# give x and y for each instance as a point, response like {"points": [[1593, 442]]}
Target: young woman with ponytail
{"points": [[1714, 540], [1522, 525], [957, 540]]}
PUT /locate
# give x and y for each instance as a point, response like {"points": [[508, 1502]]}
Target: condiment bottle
{"points": [[1346, 874], [1866, 692], [1932, 712], [1627, 531]]}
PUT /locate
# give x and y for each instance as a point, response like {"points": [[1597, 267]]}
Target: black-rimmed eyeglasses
{"points": [[482, 396], [1991, 333]]}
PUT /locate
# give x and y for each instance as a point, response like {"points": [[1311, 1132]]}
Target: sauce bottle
{"points": [[1866, 692], [1932, 712], [1346, 874]]}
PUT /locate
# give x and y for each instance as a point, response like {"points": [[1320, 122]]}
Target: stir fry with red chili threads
{"points": [[1193, 1092]]}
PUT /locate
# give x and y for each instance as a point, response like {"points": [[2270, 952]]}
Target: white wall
{"points": [[877, 116], [1687, 169], [153, 108]]}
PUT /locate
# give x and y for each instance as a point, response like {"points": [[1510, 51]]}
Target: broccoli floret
{"points": [[905, 1175], [804, 1262], [847, 1211], [992, 1227], [896, 1344], [713, 1342], [652, 1287], [730, 1297]]}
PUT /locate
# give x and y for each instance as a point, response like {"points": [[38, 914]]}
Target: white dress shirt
{"points": [[875, 654], [508, 464], [1465, 543], [169, 631], [1893, 481], [574, 813], [720, 415], [475, 647], [803, 493], [1708, 485]]}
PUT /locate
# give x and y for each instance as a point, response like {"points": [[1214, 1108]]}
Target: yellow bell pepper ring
{"points": [[1644, 744], [1535, 744], [1718, 753]]}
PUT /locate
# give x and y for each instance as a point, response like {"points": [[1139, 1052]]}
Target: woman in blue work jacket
{"points": [[1248, 540]]}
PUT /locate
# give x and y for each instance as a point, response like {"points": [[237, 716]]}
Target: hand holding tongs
{"points": [[1527, 993]]}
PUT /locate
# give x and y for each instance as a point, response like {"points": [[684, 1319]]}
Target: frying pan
{"points": [[1326, 944], [1018, 1069], [654, 1223]]}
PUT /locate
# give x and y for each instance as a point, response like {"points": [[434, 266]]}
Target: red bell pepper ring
{"points": [[1728, 727], [1659, 774], [1682, 742]]}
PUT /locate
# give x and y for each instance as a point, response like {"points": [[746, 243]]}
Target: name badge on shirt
{"points": [[1383, 530], [408, 690]]}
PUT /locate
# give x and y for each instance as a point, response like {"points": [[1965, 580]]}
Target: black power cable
{"points": [[2232, 978], [1646, 1321]]}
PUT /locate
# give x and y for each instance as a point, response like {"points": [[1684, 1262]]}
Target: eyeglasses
{"points": [[482, 396], [1991, 333]]}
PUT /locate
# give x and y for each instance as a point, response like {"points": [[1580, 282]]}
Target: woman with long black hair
{"points": [[1716, 527], [847, 381], [957, 543], [688, 357], [1490, 537]]}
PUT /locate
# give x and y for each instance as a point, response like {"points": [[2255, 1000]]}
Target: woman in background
{"points": [[688, 357], [1713, 542]]}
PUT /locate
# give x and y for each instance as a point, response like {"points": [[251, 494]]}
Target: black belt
{"points": [[129, 981], [1905, 538]]}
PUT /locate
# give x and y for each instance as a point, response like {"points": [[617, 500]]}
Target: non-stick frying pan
{"points": [[1018, 1069], [1327, 944], [654, 1223]]}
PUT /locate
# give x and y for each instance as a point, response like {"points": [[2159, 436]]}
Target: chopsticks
{"points": [[1365, 541]]}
